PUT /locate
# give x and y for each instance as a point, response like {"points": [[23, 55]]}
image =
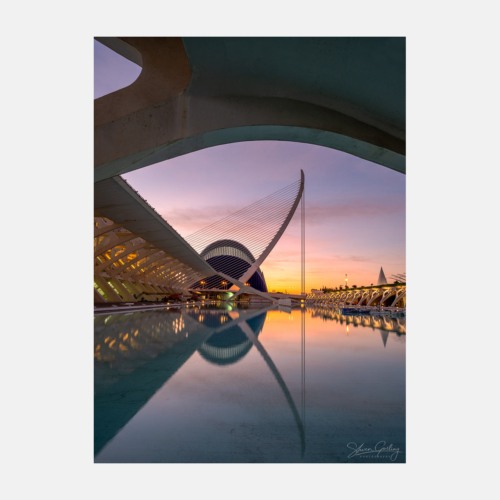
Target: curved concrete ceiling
{"points": [[344, 93], [360, 77]]}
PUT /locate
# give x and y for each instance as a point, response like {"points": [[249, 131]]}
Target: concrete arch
{"points": [[184, 280], [364, 295], [143, 271], [371, 295], [375, 296], [345, 298], [354, 297], [147, 253], [115, 242], [129, 249], [387, 295], [363, 298], [398, 298], [175, 267], [341, 297], [130, 271], [99, 231], [195, 93], [166, 280], [175, 275]]}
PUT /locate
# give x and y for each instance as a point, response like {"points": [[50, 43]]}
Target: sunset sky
{"points": [[355, 209]]}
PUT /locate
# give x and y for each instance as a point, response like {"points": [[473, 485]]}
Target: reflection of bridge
{"points": [[136, 354], [383, 324], [381, 296], [397, 325]]}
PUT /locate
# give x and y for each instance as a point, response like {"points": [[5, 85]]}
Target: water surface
{"points": [[224, 384]]}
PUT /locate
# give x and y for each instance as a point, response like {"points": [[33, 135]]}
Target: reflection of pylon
{"points": [[385, 335], [253, 338], [303, 335]]}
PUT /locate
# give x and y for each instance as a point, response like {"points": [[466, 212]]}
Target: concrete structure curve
{"points": [[194, 93]]}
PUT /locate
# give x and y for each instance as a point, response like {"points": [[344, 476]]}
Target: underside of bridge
{"points": [[137, 254], [194, 93]]}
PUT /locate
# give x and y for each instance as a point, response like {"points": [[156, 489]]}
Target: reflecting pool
{"points": [[226, 384]]}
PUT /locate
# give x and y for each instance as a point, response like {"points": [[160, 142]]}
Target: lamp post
{"points": [[346, 281]]}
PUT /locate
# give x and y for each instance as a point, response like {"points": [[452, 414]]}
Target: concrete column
{"points": [[143, 291], [98, 297], [155, 287], [111, 295], [131, 288], [149, 290], [122, 290]]}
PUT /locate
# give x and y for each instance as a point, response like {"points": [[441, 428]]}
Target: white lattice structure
{"points": [[137, 254], [249, 234], [380, 296]]}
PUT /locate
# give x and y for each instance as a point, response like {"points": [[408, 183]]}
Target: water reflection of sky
{"points": [[204, 385]]}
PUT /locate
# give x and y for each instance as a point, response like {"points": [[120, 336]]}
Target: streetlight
{"points": [[346, 281]]}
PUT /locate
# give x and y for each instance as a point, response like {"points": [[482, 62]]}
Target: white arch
{"points": [[251, 270], [398, 297], [375, 296], [387, 295]]}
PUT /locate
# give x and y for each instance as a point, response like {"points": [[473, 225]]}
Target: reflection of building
{"points": [[229, 346], [231, 258], [384, 323], [136, 354]]}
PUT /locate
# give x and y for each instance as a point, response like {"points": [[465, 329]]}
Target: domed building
{"points": [[231, 258]]}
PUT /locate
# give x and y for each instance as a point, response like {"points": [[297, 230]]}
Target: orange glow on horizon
{"points": [[352, 226]]}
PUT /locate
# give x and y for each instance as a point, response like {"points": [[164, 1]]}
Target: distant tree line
{"points": [[336, 289]]}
